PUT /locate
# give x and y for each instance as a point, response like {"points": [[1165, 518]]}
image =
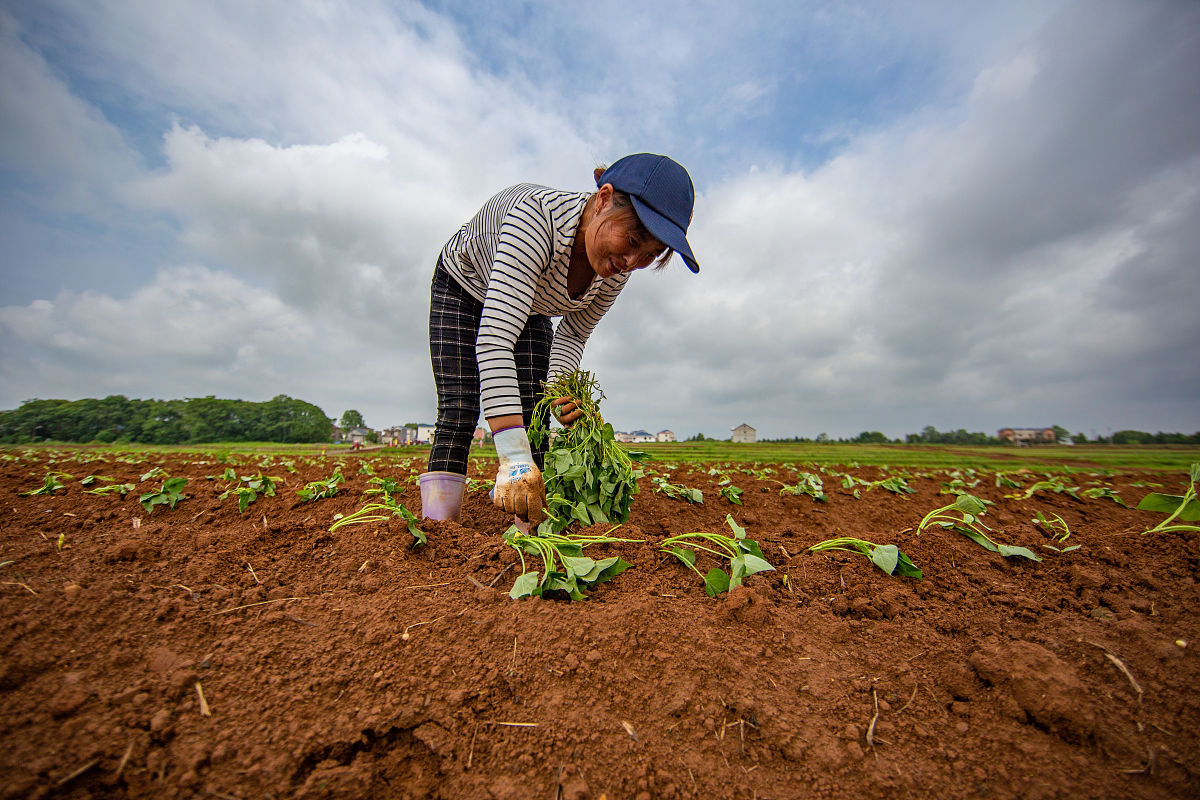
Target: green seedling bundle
{"points": [[744, 555], [564, 566], [589, 477], [888, 557]]}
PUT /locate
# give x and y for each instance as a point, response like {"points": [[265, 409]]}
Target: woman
{"points": [[529, 254]]}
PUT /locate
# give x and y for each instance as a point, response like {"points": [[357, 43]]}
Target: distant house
{"points": [[1028, 435], [338, 435], [664, 436], [397, 436], [641, 437], [622, 436], [357, 435], [745, 434], [481, 435], [424, 433]]}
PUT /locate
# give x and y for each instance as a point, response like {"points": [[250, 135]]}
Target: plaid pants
{"points": [[453, 328]]}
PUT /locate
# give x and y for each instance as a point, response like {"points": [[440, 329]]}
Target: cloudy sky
{"points": [[928, 212]]}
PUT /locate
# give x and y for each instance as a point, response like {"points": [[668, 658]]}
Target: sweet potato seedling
{"points": [[50, 484], [744, 555], [564, 566], [888, 557], [808, 483], [1056, 526], [963, 516], [677, 491], [381, 512], [170, 493], [317, 490], [1185, 507], [254, 486]]}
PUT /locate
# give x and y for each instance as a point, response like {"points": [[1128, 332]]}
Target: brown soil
{"points": [[348, 665]]}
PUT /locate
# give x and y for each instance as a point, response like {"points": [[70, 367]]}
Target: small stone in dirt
{"points": [[571, 662], [72, 590], [593, 656], [160, 721]]}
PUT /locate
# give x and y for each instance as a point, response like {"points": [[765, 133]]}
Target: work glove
{"points": [[519, 487], [565, 410]]}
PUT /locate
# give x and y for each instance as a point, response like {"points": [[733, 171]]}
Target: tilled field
{"points": [[200, 652]]}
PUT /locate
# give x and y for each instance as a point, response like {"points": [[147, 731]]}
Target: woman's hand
{"points": [[519, 486], [565, 410]]}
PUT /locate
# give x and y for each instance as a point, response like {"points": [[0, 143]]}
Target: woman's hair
{"points": [[623, 210]]}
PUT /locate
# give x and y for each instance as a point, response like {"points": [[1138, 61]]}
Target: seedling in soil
{"points": [[1051, 484], [1005, 482], [1185, 507], [384, 486], [170, 493], [1097, 492], [480, 484], [50, 484], [677, 491], [255, 485], [111, 488], [744, 555], [963, 516], [589, 477], [381, 512], [564, 566], [318, 490], [895, 484], [156, 472], [730, 492], [1056, 526], [888, 557], [808, 483]]}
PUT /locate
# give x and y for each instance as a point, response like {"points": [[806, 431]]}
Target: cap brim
{"points": [[665, 231]]}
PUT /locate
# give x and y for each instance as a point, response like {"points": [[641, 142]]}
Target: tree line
{"points": [[116, 418], [931, 435]]}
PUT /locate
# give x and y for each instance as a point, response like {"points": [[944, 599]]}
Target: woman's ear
{"points": [[604, 196]]}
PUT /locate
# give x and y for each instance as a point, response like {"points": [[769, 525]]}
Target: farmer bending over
{"points": [[532, 253]]}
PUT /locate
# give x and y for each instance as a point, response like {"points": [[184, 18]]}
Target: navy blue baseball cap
{"points": [[662, 195]]}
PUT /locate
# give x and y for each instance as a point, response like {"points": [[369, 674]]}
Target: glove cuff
{"points": [[512, 446]]}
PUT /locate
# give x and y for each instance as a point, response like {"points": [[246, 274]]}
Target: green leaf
{"points": [[715, 582], [683, 554], [738, 531], [1010, 550], [524, 586], [977, 537], [755, 564], [969, 504], [1168, 503], [886, 557], [578, 565], [907, 569]]}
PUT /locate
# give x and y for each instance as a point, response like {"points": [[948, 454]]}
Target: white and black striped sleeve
{"points": [[523, 251]]}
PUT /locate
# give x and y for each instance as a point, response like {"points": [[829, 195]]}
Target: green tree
{"points": [[1061, 434], [351, 419]]}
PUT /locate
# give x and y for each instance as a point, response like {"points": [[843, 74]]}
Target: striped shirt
{"points": [[513, 257]]}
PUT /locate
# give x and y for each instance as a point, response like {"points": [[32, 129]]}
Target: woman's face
{"points": [[616, 242]]}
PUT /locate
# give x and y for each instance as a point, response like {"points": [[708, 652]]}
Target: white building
{"points": [[745, 434], [424, 433], [664, 436]]}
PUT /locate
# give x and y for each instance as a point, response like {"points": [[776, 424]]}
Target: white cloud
{"points": [[1023, 254]]}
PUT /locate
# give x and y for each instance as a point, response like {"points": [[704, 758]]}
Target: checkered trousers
{"points": [[453, 328]]}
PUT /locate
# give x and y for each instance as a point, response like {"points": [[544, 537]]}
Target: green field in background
{"points": [[1055, 457]]}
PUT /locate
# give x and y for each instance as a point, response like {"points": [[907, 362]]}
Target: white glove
{"points": [[519, 486]]}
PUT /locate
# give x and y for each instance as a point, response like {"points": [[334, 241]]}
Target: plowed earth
{"points": [[199, 652]]}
